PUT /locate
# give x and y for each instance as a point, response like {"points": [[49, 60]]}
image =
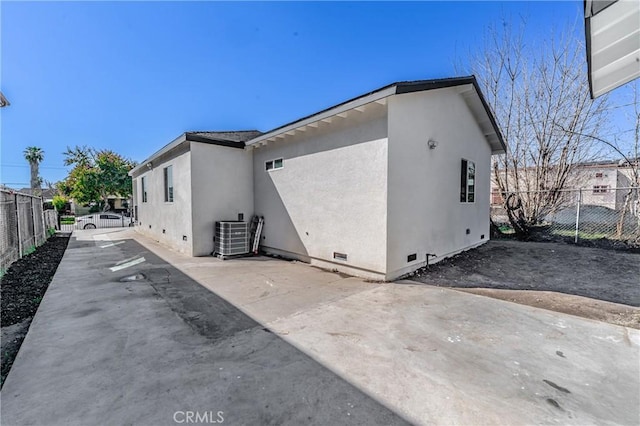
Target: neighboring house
{"points": [[602, 183], [372, 187], [46, 194]]}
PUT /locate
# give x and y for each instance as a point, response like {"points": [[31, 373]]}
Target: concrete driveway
{"points": [[120, 340]]}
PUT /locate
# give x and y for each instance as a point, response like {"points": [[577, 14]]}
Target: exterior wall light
{"points": [[432, 143], [149, 165]]}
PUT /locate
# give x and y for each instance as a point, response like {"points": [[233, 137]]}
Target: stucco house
{"points": [[376, 186], [602, 183]]}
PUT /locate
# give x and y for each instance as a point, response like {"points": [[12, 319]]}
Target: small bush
{"points": [[59, 202], [29, 250]]}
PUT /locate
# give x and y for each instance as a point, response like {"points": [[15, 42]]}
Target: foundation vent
{"points": [[339, 256]]}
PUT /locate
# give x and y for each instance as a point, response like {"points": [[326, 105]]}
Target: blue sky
{"points": [[132, 76]]}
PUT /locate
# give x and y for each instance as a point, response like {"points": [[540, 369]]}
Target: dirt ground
{"points": [[21, 290], [593, 283]]}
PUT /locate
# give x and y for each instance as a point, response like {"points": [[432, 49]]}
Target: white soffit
{"points": [[326, 116], [612, 31], [475, 105]]}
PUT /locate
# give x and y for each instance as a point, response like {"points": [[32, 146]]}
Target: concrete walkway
{"points": [[299, 345]]}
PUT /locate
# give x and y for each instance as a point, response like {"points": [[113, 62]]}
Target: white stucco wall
{"points": [[222, 187], [330, 196], [425, 213], [156, 215]]}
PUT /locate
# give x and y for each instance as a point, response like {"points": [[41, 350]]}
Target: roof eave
{"points": [[168, 147], [418, 86], [191, 137], [390, 90], [331, 111], [498, 133]]}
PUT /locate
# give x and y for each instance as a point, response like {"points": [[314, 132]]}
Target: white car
{"points": [[103, 220]]}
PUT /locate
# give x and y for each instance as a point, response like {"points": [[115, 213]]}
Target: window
{"points": [[598, 175], [600, 189], [168, 184], [274, 164], [496, 197], [144, 189], [467, 181]]}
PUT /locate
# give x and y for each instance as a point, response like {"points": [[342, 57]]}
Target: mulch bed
{"points": [[22, 288]]}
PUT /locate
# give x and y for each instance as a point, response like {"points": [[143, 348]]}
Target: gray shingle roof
{"points": [[46, 193]]}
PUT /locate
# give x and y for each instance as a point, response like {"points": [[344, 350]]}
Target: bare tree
{"points": [[630, 155], [536, 91]]}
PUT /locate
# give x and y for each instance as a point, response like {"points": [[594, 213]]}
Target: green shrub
{"points": [[59, 202]]}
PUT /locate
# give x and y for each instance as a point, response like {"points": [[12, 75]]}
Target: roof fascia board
{"points": [[492, 118], [212, 141], [419, 86], [587, 37], [593, 7], [340, 108]]}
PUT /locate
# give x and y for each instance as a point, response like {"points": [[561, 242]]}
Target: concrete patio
{"points": [[120, 340]]}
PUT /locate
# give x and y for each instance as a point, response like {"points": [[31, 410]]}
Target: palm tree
{"points": [[34, 156]]}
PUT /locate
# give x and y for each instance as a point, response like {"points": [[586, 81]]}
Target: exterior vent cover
{"points": [[231, 238], [339, 256]]}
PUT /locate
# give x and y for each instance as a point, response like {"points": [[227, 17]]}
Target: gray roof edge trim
{"points": [[168, 147], [423, 85], [213, 141], [593, 7], [490, 114], [587, 39]]}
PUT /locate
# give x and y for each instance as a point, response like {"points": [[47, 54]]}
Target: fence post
{"points": [[578, 215], [18, 226], [44, 225], [33, 221]]}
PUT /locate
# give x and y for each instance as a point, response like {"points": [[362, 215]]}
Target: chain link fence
{"points": [[23, 225], [581, 214]]}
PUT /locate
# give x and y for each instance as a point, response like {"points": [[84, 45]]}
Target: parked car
{"points": [[103, 220]]}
